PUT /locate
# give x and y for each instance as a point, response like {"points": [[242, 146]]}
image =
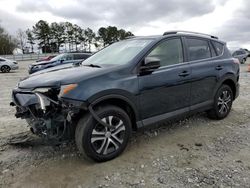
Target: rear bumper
{"points": [[14, 67]]}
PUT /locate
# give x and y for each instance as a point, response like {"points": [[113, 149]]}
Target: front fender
{"points": [[125, 96]]}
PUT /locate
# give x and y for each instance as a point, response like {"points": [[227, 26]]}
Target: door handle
{"points": [[219, 67], [184, 73]]}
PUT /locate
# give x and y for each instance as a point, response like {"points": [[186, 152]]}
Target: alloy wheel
{"points": [[106, 140], [224, 102], [5, 69]]}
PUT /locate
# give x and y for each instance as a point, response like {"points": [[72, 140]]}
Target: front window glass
{"points": [[168, 52], [118, 53], [59, 57]]}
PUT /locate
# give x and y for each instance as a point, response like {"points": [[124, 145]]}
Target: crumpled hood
{"points": [[56, 78]]}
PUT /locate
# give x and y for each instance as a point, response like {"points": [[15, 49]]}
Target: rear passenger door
{"points": [[205, 69]]}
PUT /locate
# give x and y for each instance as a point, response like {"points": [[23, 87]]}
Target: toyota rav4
{"points": [[129, 85]]}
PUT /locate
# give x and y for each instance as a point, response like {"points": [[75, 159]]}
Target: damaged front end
{"points": [[48, 115]]}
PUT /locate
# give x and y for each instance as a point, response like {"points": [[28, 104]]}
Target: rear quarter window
{"points": [[219, 47]]}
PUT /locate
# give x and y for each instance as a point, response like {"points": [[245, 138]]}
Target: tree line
{"points": [[71, 37], [7, 42]]}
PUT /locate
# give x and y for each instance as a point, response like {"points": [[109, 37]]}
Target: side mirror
{"points": [[150, 65], [62, 60], [77, 64]]}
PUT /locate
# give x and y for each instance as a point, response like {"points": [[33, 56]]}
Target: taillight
{"points": [[236, 60]]}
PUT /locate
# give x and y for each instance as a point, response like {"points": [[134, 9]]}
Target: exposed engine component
{"points": [[44, 114]]}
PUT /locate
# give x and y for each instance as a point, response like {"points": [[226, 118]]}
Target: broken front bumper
{"points": [[47, 115], [22, 99]]}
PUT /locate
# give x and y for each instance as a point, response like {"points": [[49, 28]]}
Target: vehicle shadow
{"points": [[35, 145], [11, 72]]}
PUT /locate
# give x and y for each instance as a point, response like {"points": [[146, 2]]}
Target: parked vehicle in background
{"points": [[127, 86], [46, 58], [248, 52], [6, 65], [64, 58], [241, 55]]}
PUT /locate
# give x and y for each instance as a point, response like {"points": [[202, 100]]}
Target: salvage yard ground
{"points": [[192, 152]]}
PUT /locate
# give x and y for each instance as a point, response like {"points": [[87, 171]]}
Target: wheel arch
{"points": [[3, 66], [231, 84], [229, 80], [121, 101]]}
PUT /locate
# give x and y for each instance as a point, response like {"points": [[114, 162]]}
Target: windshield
{"points": [[58, 57], [118, 53]]}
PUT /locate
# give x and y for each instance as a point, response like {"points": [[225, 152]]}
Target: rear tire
{"points": [[243, 61], [101, 143], [5, 68], [222, 103]]}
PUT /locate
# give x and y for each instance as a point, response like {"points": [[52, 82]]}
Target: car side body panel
{"points": [[153, 97]]}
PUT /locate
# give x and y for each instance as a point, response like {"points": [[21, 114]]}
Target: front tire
{"points": [[222, 103], [99, 142]]}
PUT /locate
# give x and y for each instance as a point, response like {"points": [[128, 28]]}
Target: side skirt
{"points": [[170, 115]]}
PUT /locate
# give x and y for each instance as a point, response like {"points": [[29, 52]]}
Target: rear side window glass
{"points": [[213, 51], [69, 57], [218, 47], [242, 52], [80, 56], [198, 49]]}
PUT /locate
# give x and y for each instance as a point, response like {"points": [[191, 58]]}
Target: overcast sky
{"points": [[228, 19]]}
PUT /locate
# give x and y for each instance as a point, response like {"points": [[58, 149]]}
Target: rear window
{"points": [[219, 48], [198, 49]]}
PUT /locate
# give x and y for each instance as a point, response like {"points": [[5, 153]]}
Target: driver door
{"points": [[166, 91]]}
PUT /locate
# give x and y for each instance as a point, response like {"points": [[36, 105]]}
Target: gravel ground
{"points": [[191, 152]]}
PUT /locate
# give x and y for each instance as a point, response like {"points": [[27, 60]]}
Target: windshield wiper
{"points": [[92, 65]]}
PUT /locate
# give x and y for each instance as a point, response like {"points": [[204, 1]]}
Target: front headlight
{"points": [[42, 89], [66, 89]]}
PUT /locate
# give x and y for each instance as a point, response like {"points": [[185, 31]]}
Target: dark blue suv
{"points": [[127, 86]]}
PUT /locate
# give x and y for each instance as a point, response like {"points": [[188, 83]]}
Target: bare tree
{"points": [[22, 40]]}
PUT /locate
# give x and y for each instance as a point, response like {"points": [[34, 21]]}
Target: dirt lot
{"points": [[192, 152]]}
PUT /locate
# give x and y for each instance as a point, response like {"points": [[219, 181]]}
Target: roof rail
{"points": [[189, 32]]}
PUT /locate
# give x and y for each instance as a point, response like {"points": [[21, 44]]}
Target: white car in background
{"points": [[6, 65]]}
